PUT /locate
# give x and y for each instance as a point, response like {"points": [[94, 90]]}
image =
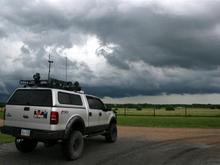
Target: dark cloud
{"points": [[118, 92], [39, 16], [3, 34], [148, 48], [159, 39]]}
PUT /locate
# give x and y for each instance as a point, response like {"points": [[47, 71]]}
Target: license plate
{"points": [[25, 132]]}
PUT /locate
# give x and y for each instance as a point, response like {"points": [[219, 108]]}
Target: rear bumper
{"points": [[34, 134]]}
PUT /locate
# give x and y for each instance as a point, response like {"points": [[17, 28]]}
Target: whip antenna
{"points": [[50, 62], [66, 67]]}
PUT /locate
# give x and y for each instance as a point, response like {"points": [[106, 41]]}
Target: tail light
{"points": [[54, 117], [4, 113]]}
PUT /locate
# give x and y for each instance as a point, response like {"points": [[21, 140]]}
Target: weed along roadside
{"points": [[5, 138], [1, 123]]}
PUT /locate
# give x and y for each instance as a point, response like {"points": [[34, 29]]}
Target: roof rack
{"points": [[51, 83]]}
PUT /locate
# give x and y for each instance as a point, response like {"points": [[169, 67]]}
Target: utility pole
{"points": [[50, 62]]}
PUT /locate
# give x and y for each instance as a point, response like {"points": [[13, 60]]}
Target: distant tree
{"points": [[138, 108], [170, 108], [2, 104], [212, 107]]}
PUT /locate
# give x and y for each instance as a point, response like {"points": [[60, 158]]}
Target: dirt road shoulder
{"points": [[158, 134]]}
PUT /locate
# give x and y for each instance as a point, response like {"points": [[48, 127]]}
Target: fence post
{"points": [[154, 111], [124, 111], [185, 111]]}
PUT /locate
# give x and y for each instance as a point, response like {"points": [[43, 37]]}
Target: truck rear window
{"points": [[31, 97]]}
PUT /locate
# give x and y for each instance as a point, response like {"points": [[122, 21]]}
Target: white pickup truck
{"points": [[50, 115]]}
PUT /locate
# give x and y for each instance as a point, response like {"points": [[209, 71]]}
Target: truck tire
{"points": [[112, 133], [25, 145], [73, 146]]}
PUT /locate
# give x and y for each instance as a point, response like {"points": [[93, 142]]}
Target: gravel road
{"points": [[135, 146]]}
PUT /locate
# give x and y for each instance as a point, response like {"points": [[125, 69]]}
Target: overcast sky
{"points": [[137, 50]]}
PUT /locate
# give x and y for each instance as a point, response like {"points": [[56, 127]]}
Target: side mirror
{"points": [[107, 109]]}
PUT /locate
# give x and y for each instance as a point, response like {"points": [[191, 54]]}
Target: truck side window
{"points": [[67, 98], [95, 103]]}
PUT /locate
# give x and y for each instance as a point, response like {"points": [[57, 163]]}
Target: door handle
{"points": [[90, 113], [100, 113], [26, 108], [25, 116]]}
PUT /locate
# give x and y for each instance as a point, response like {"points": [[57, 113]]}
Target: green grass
{"points": [[6, 138], [170, 122], [173, 121]]}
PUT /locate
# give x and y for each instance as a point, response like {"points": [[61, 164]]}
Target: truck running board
{"points": [[95, 134]]}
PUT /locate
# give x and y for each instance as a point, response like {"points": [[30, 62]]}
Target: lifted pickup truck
{"points": [[41, 114]]}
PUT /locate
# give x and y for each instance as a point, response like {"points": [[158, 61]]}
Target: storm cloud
{"points": [[115, 48]]}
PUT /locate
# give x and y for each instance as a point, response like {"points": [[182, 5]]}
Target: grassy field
{"points": [[170, 119], [177, 112], [196, 118], [170, 122]]}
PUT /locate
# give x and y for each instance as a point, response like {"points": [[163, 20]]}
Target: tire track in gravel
{"points": [[137, 149], [179, 154], [159, 145], [129, 151]]}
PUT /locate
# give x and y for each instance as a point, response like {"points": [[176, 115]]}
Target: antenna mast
{"points": [[50, 62], [66, 67]]}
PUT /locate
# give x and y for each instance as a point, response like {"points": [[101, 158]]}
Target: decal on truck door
{"points": [[64, 112], [40, 114]]}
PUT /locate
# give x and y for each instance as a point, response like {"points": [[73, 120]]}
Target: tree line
{"points": [[159, 106]]}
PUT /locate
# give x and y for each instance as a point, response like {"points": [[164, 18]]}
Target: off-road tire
{"points": [[73, 146], [25, 145], [112, 133]]}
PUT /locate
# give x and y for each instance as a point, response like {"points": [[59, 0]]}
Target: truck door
{"points": [[93, 112], [103, 117]]}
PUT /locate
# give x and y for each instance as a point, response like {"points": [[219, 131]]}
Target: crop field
{"points": [[187, 112]]}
